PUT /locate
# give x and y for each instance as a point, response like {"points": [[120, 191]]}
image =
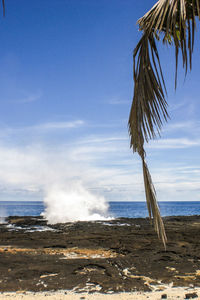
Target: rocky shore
{"points": [[121, 255]]}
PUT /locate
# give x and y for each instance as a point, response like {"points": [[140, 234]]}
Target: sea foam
{"points": [[73, 203]]}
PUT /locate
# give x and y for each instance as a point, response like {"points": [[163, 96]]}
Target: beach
{"points": [[115, 259], [170, 293]]}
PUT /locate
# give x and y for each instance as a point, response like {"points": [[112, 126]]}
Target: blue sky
{"points": [[65, 96]]}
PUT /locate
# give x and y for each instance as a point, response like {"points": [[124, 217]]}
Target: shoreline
{"points": [[168, 293], [110, 257], [130, 209]]}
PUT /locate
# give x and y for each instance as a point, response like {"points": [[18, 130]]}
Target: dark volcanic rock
{"points": [[191, 296], [118, 255]]}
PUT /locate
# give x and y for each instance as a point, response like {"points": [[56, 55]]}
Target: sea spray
{"points": [[73, 203], [3, 215]]}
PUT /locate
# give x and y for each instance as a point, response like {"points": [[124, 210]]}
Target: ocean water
{"points": [[116, 209]]}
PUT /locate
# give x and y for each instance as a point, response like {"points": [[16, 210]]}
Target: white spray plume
{"points": [[3, 215], [73, 203]]}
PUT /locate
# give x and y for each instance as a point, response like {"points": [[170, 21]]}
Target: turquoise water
{"points": [[117, 209]]}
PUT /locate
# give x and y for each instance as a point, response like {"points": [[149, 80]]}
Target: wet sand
{"points": [[122, 255]]}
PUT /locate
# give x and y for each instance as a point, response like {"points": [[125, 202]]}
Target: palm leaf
{"points": [[149, 104], [147, 111], [175, 19], [152, 204], [3, 4], [172, 21]]}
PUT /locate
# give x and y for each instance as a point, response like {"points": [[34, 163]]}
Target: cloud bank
{"points": [[98, 168]]}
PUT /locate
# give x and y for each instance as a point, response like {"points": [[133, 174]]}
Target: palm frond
{"points": [[147, 111], [3, 4], [175, 19], [149, 106], [152, 205], [171, 20]]}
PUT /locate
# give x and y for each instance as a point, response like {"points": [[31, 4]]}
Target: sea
{"points": [[116, 209]]}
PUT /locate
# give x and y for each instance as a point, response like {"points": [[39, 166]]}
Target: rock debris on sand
{"points": [[172, 294]]}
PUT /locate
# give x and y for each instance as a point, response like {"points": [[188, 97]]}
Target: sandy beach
{"points": [[169, 293]]}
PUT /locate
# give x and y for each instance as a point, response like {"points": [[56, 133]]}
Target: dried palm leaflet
{"points": [[173, 22]]}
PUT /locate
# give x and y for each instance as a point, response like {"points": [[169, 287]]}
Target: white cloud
{"points": [[176, 182], [176, 143], [188, 127], [180, 126], [178, 105], [58, 125], [47, 127], [93, 163], [29, 98], [104, 164]]}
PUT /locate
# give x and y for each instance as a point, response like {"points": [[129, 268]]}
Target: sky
{"points": [[66, 92]]}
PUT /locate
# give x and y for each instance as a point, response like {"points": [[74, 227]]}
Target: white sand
{"points": [[172, 293]]}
